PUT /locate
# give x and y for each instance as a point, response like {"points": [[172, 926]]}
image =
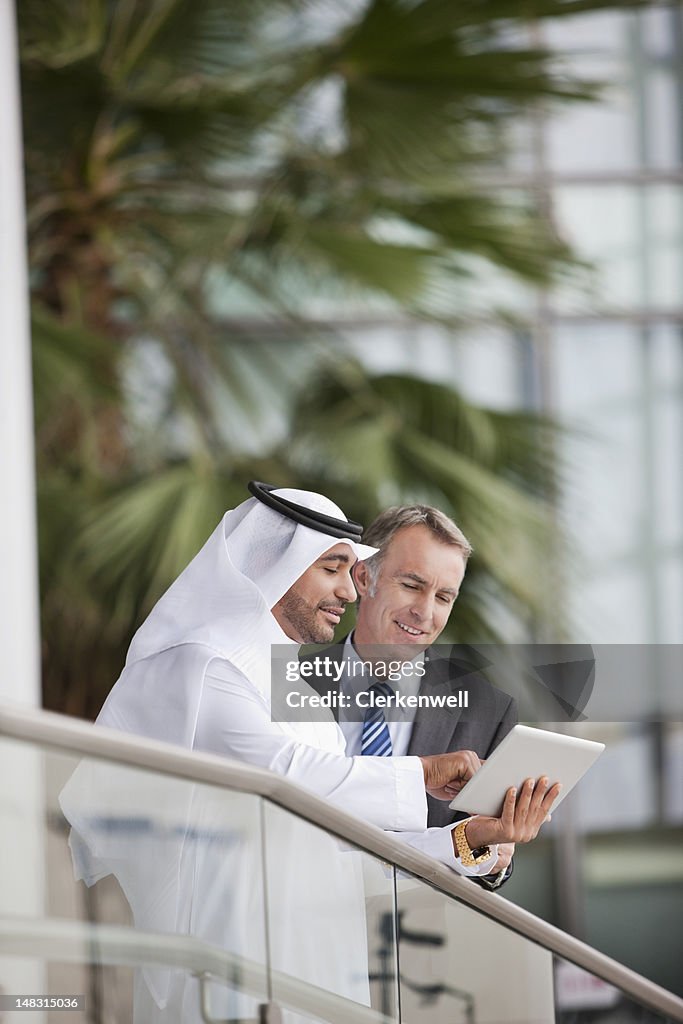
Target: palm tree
{"points": [[200, 179]]}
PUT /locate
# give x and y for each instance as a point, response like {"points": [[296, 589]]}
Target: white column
{"points": [[19, 630], [22, 855]]}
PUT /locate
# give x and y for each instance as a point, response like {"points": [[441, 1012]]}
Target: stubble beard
{"points": [[303, 619]]}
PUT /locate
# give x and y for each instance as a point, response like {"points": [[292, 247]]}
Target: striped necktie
{"points": [[375, 739]]}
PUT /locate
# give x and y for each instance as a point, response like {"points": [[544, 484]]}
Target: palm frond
{"points": [[187, 160], [69, 361], [437, 448], [153, 527]]}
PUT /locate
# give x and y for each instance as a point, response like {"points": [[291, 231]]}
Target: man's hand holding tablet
{"points": [[523, 814], [506, 813], [521, 817]]}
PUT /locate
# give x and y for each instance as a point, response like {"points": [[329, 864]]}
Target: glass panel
{"points": [[663, 217], [635, 121], [603, 32], [673, 773], [667, 357], [661, 98], [621, 793], [633, 236], [597, 380], [668, 435], [583, 998], [330, 921], [671, 600], [595, 136], [617, 389], [488, 367], [602, 223], [598, 368], [659, 31], [458, 966], [609, 608], [175, 884], [484, 364]]}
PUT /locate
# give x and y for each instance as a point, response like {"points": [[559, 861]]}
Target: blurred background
{"points": [[397, 251]]}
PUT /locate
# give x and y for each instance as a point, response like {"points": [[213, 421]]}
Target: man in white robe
{"points": [[198, 674]]}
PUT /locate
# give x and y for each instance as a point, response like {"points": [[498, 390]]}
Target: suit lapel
{"points": [[433, 729]]}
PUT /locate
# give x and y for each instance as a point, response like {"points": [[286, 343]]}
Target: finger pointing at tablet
{"points": [[446, 774]]}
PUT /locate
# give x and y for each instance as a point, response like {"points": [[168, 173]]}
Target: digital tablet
{"points": [[527, 753]]}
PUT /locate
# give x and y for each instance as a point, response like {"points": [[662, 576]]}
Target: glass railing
{"points": [[476, 970], [154, 885]]}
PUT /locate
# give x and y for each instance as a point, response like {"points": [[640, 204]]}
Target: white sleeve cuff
{"points": [[411, 796], [387, 791]]}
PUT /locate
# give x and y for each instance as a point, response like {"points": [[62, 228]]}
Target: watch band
{"points": [[468, 857]]}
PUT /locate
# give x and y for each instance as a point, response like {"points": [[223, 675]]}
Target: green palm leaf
{"points": [[437, 448], [202, 181]]}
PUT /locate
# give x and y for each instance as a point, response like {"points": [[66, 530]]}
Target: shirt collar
{"points": [[355, 683]]}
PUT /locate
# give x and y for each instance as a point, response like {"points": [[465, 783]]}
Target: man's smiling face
{"points": [[313, 606], [419, 579]]}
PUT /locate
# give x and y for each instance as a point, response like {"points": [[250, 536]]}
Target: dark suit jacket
{"points": [[480, 727]]}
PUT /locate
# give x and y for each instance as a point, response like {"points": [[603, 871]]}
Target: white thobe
{"points": [[235, 721]]}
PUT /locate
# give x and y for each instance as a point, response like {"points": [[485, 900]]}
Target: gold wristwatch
{"points": [[468, 857]]}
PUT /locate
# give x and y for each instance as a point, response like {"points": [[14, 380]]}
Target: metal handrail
{"points": [[65, 941], [83, 738]]}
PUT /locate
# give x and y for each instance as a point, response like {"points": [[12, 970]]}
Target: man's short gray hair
{"points": [[399, 517]]}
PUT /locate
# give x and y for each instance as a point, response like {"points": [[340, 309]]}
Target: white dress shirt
{"points": [[401, 722], [234, 720], [400, 726]]}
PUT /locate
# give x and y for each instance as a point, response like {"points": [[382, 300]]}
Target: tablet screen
{"points": [[527, 753]]}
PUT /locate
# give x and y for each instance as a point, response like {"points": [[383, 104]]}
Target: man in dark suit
{"points": [[406, 592]]}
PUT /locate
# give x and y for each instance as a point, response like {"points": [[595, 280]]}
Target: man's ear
{"points": [[361, 578]]}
